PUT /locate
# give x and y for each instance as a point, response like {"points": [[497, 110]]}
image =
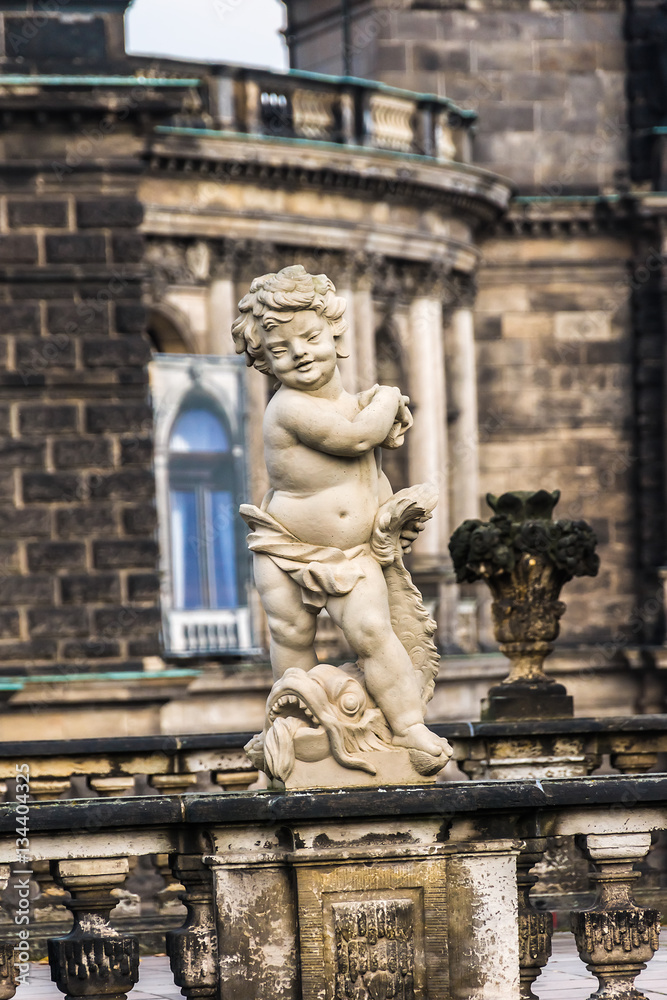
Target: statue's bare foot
{"points": [[419, 737]]}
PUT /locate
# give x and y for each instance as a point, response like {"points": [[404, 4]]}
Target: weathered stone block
{"points": [[47, 622], [45, 486], [128, 485], [18, 249], [48, 39], [52, 556], [47, 418], [128, 351], [143, 586], [136, 451], [10, 626], [26, 590], [22, 454], [93, 520], [26, 652], [118, 417], [131, 317], [20, 318], [77, 319], [91, 649], [81, 452], [126, 620], [505, 55], [39, 354], [139, 554], [140, 519], [575, 57], [441, 56], [127, 248], [37, 212], [97, 588], [76, 249], [25, 522], [108, 213]]}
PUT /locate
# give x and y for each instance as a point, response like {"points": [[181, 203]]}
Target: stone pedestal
{"points": [[365, 909]]}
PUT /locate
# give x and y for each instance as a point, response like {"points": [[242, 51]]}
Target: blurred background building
{"points": [[483, 186]]}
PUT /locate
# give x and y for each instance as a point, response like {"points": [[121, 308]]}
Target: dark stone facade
{"points": [[78, 587]]}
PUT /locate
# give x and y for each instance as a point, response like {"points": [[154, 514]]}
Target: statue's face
{"points": [[302, 352]]}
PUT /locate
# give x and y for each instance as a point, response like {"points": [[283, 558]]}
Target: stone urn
{"points": [[525, 558]]}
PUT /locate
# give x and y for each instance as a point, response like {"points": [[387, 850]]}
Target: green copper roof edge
{"points": [[210, 133], [385, 88], [46, 80], [119, 675]]}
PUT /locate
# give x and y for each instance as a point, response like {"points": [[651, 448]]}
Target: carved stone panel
{"points": [[373, 931], [375, 953]]}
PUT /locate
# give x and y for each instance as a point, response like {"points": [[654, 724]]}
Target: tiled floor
{"points": [[564, 979]]}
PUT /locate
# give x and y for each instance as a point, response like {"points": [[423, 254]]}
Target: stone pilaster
{"points": [[193, 948], [94, 960], [616, 937]]}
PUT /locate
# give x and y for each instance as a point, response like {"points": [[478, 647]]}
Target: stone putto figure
{"points": [[330, 533]]}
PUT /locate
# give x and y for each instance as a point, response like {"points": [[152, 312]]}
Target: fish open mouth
{"points": [[292, 704]]}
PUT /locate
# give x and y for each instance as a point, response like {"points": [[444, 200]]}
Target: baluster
{"points": [[8, 971], [634, 762], [193, 948], [94, 960], [535, 927], [235, 781], [172, 784], [46, 789], [616, 937], [50, 905], [168, 898], [113, 787]]}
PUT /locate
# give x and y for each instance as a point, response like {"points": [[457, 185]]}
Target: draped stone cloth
{"points": [[321, 571]]}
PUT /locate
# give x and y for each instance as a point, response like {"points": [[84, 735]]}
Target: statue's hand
{"points": [[410, 532], [402, 423]]}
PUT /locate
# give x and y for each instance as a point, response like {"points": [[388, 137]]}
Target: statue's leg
{"points": [[292, 628], [364, 617]]}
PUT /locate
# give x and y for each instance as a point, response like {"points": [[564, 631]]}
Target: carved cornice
{"points": [[558, 219], [455, 188]]}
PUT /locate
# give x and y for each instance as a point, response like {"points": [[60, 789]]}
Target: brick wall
{"points": [[78, 580]]}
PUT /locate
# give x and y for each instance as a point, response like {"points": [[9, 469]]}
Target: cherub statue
{"points": [[331, 534]]}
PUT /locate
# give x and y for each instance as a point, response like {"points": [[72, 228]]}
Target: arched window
{"points": [[202, 507]]}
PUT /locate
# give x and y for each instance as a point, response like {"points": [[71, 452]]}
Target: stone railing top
{"points": [[519, 801]]}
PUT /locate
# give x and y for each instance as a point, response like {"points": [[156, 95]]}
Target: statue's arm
{"points": [[317, 424]]}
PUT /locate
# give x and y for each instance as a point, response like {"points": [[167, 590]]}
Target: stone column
{"points": [[535, 927], [364, 326], [222, 311], [193, 948], [94, 960], [616, 937], [348, 366], [428, 447], [483, 935], [463, 435]]}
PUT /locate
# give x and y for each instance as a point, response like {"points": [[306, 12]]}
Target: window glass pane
{"points": [[198, 431], [185, 565], [222, 550]]}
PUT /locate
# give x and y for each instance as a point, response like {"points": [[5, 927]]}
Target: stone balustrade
{"points": [[356, 112], [393, 887], [172, 765]]}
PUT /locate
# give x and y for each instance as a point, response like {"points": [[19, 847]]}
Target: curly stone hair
{"points": [[274, 299]]}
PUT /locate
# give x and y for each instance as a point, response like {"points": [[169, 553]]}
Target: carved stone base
{"points": [[393, 767], [526, 700]]}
